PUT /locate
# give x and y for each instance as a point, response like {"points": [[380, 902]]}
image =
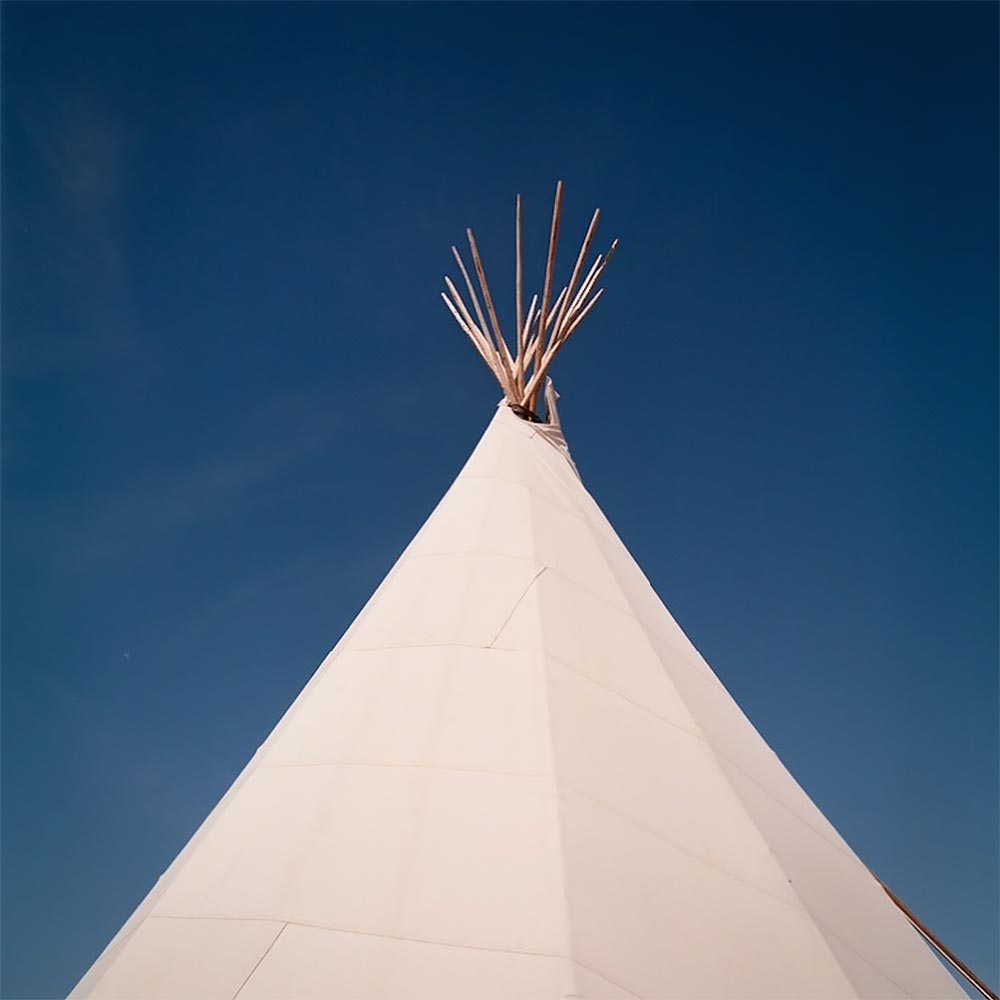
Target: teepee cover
{"points": [[515, 777]]}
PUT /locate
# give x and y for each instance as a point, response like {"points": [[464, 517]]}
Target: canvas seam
{"points": [[267, 950], [392, 764], [517, 604]]}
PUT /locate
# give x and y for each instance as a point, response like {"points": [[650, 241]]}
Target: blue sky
{"points": [[231, 393]]}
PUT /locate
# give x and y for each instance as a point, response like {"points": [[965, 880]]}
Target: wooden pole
{"points": [[502, 351], [579, 317], [472, 291], [554, 311], [487, 298], [588, 284], [529, 343], [547, 289], [475, 342], [584, 250], [483, 325], [470, 323], [519, 301]]}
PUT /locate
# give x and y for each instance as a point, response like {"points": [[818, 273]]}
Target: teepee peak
{"points": [[540, 333]]}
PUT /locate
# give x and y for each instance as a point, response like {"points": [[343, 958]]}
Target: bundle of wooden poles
{"points": [[545, 328]]}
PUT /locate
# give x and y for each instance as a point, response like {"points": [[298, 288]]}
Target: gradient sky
{"points": [[231, 393]]}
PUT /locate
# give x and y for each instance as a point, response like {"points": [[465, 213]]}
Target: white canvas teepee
{"points": [[515, 777]]}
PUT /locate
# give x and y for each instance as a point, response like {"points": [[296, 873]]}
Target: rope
{"points": [[938, 945]]}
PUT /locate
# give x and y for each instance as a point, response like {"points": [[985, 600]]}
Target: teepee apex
{"points": [[548, 325]]}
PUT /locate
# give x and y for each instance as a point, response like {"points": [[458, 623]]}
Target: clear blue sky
{"points": [[231, 393]]}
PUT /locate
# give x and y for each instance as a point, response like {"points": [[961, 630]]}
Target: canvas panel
{"points": [[504, 518], [845, 900], [868, 982], [587, 634], [656, 775], [664, 924], [643, 601], [439, 706], [505, 454], [734, 737], [438, 600], [450, 856], [169, 959], [564, 545], [554, 467], [480, 515]]}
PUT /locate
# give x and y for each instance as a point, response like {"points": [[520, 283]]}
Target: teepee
{"points": [[515, 776]]}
